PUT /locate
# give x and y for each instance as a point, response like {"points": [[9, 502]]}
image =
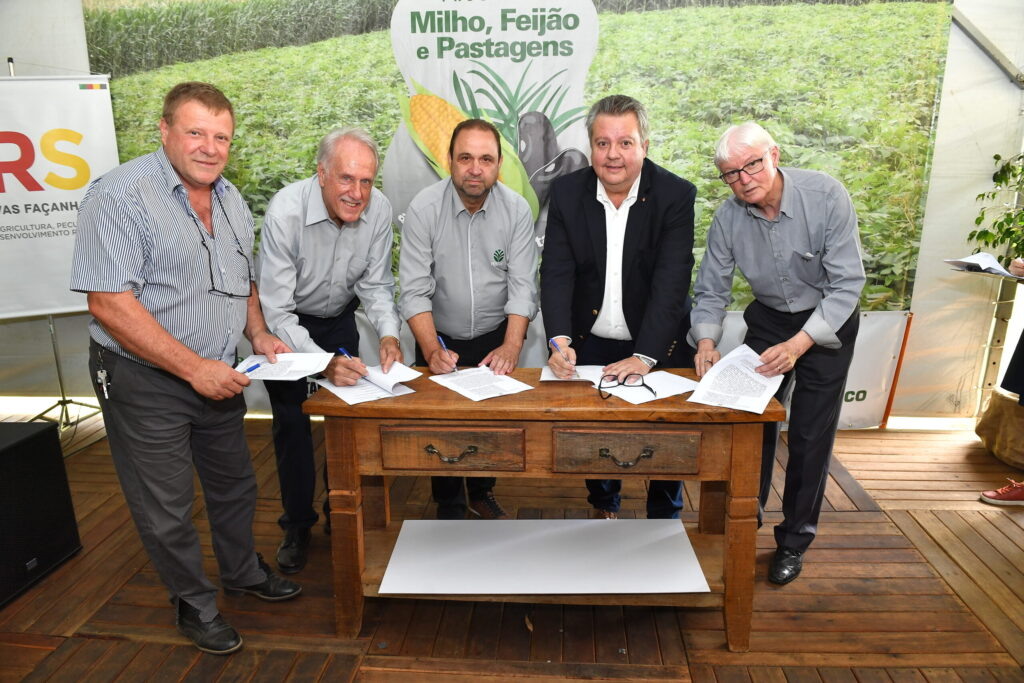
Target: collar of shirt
{"points": [[630, 199], [459, 208]]}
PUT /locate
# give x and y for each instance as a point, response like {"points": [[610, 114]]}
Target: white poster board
{"points": [[56, 135]]}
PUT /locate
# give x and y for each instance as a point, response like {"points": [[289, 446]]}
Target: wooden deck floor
{"points": [[910, 579]]}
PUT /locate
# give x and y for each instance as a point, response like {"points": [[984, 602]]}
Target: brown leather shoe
{"points": [[598, 513], [488, 508]]}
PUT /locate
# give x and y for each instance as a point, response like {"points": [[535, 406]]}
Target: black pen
{"points": [[445, 348]]}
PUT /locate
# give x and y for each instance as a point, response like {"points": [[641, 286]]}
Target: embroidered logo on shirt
{"points": [[499, 256]]}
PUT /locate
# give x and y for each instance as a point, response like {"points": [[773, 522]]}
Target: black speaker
{"points": [[38, 531]]}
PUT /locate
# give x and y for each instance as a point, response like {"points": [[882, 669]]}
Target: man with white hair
{"points": [[793, 235], [326, 248]]}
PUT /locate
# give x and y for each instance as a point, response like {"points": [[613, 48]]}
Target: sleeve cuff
{"points": [[821, 332], [700, 331]]}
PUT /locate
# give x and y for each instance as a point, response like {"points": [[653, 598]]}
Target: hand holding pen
{"points": [[345, 370], [442, 360], [563, 359]]}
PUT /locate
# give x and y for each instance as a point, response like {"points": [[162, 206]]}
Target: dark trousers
{"points": [[820, 377], [293, 442], [447, 491], [159, 430], [664, 498]]}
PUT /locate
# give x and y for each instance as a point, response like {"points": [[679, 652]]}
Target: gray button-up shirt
{"points": [[309, 265], [808, 257], [470, 270], [137, 232]]}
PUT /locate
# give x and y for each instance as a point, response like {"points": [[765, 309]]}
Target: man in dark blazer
{"points": [[615, 274]]}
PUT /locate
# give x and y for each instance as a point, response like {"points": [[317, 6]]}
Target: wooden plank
{"points": [[578, 633], [1001, 626], [516, 629], [275, 666], [409, 669], [454, 629], [484, 631], [341, 668], [419, 637], [609, 635], [546, 644], [309, 666]]}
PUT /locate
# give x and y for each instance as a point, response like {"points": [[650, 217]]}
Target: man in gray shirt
{"points": [[793, 235], [467, 272], [326, 248], [163, 250]]}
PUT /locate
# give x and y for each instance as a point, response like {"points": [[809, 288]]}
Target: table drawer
{"points": [[640, 450], [453, 447]]}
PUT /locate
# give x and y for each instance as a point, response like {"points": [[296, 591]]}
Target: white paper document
{"points": [[375, 385], [480, 383], [288, 365], [584, 373], [543, 557], [985, 263], [733, 383], [663, 383]]}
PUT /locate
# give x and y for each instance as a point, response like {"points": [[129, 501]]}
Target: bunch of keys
{"points": [[101, 379]]}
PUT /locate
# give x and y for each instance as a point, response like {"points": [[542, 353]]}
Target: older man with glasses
{"points": [[793, 235]]}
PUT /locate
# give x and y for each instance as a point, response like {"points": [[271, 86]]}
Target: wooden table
{"points": [[559, 430]]}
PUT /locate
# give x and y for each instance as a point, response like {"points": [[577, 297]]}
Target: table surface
{"points": [[547, 401]]}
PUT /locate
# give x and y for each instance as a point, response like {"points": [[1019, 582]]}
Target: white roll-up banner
{"points": [[56, 135]]}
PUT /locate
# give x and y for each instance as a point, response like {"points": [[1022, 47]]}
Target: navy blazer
{"points": [[657, 261]]}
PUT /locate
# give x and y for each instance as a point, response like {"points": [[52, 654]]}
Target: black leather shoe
{"points": [[216, 637], [786, 566], [273, 588], [291, 554]]}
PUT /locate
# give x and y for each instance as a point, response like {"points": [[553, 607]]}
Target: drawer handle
{"points": [[647, 452], [429, 448]]}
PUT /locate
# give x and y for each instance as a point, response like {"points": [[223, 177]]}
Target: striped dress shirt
{"points": [[137, 232]]}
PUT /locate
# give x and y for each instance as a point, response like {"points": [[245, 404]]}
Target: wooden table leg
{"points": [[711, 519], [376, 502], [741, 534], [740, 556], [345, 495]]}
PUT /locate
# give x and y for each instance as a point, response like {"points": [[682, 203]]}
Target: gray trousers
{"points": [[158, 428]]}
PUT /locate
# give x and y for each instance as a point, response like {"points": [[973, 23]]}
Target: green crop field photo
{"points": [[847, 89]]}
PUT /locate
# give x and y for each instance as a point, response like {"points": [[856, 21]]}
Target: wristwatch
{"points": [[646, 360]]}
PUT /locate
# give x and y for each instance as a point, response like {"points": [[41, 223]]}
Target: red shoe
{"points": [[1011, 494]]}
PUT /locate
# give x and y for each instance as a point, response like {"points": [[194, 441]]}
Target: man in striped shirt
{"points": [[164, 252]]}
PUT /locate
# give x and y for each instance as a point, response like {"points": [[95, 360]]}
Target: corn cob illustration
{"points": [[430, 121], [434, 119]]}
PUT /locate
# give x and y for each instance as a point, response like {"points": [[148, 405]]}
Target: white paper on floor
{"points": [[543, 556]]}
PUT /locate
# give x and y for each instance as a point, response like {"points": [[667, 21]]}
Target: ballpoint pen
{"points": [[556, 347], [250, 368], [342, 351], [445, 349]]}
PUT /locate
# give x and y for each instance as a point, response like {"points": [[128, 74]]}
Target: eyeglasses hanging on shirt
{"points": [[203, 235]]}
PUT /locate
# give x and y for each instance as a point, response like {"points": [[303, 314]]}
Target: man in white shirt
{"points": [[618, 253]]}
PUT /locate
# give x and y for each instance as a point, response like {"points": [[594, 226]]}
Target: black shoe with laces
{"points": [[291, 554], [273, 588], [216, 637]]}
